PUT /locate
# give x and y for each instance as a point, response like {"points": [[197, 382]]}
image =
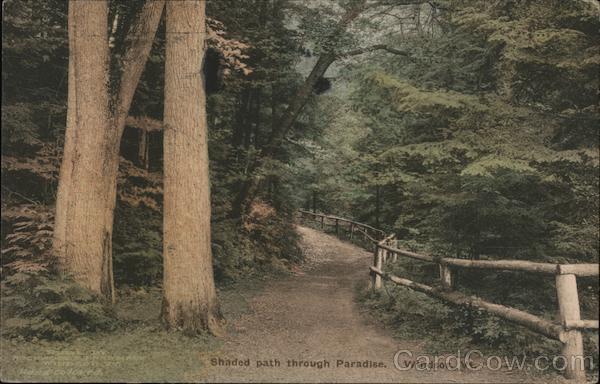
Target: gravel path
{"points": [[311, 318]]}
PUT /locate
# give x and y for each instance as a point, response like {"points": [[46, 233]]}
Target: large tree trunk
{"points": [[82, 238], [138, 45], [190, 301], [88, 176]]}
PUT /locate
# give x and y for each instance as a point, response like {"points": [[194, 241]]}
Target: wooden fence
{"points": [[368, 232], [568, 331]]}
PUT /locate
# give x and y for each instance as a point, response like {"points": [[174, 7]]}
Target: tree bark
{"points": [[138, 43], [190, 301], [88, 177], [81, 237]]}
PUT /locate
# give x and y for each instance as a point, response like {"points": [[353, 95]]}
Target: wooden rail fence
{"points": [[368, 232], [568, 331]]}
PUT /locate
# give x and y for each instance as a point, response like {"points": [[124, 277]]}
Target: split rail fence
{"points": [[568, 331]]}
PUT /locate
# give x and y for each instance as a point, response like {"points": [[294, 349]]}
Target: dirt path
{"points": [[311, 317]]}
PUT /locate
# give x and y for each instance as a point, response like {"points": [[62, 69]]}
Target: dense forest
{"points": [[468, 128]]}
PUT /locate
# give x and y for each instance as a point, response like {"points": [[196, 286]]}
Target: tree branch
{"points": [[139, 43], [303, 93], [376, 47]]}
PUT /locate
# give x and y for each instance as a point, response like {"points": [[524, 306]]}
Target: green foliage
{"points": [[265, 238], [548, 51], [38, 303], [42, 306], [18, 126], [415, 316], [480, 143], [408, 98], [267, 242], [137, 246], [27, 242], [475, 146], [34, 67]]}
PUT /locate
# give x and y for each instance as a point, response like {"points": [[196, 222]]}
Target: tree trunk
{"points": [[139, 41], [88, 177], [377, 205], [254, 120], [281, 126], [240, 121], [248, 128], [190, 301], [280, 129], [305, 91], [81, 237], [298, 102], [143, 149]]}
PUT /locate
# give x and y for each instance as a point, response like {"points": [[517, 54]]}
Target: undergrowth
{"points": [[38, 303], [447, 328], [43, 306]]}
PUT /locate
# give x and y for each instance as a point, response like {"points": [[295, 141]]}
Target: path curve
{"points": [[312, 317]]}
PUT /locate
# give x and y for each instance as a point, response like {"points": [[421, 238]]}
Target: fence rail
{"points": [[568, 331], [353, 225]]}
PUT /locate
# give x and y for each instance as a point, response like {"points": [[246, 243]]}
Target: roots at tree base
{"points": [[193, 318]]}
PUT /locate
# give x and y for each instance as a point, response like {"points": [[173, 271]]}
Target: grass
{"points": [[140, 354], [138, 350]]}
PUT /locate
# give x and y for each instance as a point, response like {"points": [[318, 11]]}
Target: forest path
{"points": [[312, 316]]}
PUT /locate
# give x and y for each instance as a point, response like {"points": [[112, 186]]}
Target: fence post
{"points": [[568, 303], [373, 274], [337, 226], [351, 230], [379, 265], [446, 276], [322, 222], [375, 278]]}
